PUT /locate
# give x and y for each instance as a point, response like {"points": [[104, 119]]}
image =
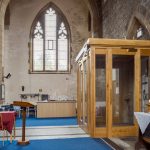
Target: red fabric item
{"points": [[1, 124], [8, 119]]}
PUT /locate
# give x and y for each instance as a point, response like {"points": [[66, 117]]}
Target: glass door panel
{"points": [[85, 96], [100, 90], [81, 94], [145, 81], [122, 90]]}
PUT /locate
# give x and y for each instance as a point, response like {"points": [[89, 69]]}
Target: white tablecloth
{"points": [[143, 120]]}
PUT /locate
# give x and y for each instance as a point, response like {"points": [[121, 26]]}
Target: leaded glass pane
{"points": [[50, 46], [50, 60], [50, 40], [38, 48], [62, 48]]}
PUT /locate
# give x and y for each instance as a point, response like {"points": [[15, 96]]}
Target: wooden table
{"points": [[24, 105]]}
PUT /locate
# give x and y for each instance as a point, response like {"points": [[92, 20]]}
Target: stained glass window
{"points": [[50, 42]]}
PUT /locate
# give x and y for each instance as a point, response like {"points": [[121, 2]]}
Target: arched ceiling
{"points": [[94, 6]]}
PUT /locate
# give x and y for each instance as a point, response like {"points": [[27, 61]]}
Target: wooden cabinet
{"points": [[109, 85], [56, 109]]}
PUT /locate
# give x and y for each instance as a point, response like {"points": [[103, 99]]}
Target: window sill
{"points": [[49, 72]]}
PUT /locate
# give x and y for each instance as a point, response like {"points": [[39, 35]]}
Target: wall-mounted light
{"points": [[7, 76]]}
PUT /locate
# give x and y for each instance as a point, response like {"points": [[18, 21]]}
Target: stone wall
{"points": [[117, 20], [58, 86], [117, 16]]}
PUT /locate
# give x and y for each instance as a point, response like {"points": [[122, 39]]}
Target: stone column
{"points": [[3, 6]]}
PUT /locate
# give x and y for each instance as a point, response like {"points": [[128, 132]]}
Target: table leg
{"points": [[4, 136], [10, 138]]}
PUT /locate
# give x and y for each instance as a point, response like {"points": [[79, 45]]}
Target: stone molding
{"points": [[142, 14]]}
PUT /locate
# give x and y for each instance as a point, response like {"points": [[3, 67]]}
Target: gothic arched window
{"points": [[50, 40]]}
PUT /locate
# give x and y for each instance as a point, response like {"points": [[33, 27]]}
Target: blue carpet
{"points": [[59, 144], [47, 121]]}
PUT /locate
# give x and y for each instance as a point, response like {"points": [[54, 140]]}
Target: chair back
{"points": [[1, 122]]}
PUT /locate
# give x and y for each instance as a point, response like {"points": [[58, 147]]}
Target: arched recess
{"points": [[95, 9], [3, 6], [142, 16], [140, 23]]}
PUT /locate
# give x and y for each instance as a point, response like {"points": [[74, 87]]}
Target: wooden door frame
{"points": [[129, 130], [85, 126], [143, 52], [99, 131], [79, 94], [109, 130], [81, 76]]}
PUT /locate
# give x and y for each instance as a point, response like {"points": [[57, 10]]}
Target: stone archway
{"points": [[95, 9], [91, 4], [141, 14], [3, 6]]}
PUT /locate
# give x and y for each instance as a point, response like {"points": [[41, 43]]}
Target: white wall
{"points": [[16, 53]]}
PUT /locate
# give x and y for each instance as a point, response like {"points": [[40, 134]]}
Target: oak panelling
{"points": [[110, 47], [56, 109]]}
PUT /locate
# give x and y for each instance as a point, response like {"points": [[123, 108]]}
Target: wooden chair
{"points": [[5, 133], [32, 111], [2, 129]]}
